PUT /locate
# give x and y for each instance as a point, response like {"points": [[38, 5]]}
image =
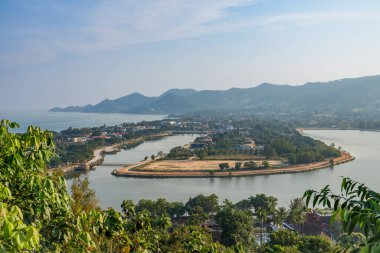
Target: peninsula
{"points": [[189, 168]]}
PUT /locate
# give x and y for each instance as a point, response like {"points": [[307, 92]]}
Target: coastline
{"points": [[301, 129], [99, 153], [130, 172]]}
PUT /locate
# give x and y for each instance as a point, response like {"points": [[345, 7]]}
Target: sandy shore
{"points": [[133, 170]]}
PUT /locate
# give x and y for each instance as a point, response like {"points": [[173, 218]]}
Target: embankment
{"points": [[99, 153], [130, 171]]}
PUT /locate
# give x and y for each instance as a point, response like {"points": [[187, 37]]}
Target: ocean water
{"points": [[111, 190], [57, 121]]}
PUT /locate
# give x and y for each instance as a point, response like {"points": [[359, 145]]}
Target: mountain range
{"points": [[345, 95]]}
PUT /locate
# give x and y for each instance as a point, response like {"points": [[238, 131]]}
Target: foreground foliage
{"points": [[37, 213], [359, 209]]}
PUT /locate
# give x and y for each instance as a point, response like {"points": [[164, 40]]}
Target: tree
{"points": [[176, 209], [35, 207], [209, 204], [314, 244], [224, 166], [265, 164], [191, 239], [197, 216], [283, 237], [36, 213], [128, 208], [283, 240], [267, 203], [358, 207], [269, 151], [152, 157], [237, 165], [262, 215], [297, 212], [292, 159], [237, 226], [280, 216], [354, 241], [84, 198], [250, 165], [25, 188], [201, 153], [180, 153], [283, 146], [244, 205]]}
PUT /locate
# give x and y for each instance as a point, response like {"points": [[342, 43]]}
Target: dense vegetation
{"points": [[359, 209], [277, 140], [37, 214]]}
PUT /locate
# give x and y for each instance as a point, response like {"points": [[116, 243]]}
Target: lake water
{"points": [[111, 190], [57, 121]]}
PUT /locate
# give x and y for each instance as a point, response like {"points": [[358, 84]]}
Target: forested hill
{"points": [[340, 96]]}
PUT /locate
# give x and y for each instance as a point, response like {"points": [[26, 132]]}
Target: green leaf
{"points": [[8, 229]]}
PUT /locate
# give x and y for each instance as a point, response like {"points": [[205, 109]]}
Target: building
{"points": [[78, 139], [317, 224], [204, 139]]}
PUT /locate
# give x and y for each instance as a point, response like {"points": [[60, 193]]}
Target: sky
{"points": [[60, 53]]}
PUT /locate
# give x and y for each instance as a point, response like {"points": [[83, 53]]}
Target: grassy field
{"points": [[193, 165]]}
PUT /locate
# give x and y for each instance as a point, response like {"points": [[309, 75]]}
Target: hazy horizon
{"points": [[55, 53]]}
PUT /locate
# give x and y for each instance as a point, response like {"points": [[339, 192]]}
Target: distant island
{"points": [[354, 95]]}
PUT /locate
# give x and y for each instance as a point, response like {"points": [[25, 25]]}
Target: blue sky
{"points": [[59, 53]]}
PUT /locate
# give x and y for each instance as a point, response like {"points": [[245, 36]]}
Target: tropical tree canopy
{"points": [[357, 206]]}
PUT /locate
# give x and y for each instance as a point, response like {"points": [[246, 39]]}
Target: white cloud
{"points": [[312, 18], [119, 23], [115, 24]]}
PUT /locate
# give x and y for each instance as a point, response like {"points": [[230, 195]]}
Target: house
{"points": [[138, 128], [204, 139], [229, 128], [244, 147], [78, 139], [317, 224], [259, 148], [249, 144], [214, 228]]}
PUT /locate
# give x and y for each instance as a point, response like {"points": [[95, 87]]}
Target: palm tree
{"points": [[280, 216], [262, 215], [297, 213]]}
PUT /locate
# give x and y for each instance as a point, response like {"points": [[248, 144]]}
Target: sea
{"points": [[111, 190], [58, 121]]}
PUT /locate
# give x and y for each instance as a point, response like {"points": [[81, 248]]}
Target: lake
{"points": [[57, 121], [112, 190]]}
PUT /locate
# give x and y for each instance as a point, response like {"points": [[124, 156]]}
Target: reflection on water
{"points": [[112, 190]]}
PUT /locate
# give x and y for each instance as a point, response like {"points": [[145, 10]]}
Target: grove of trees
{"points": [[38, 213]]}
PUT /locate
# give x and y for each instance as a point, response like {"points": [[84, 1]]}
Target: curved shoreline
{"points": [[99, 153], [129, 172]]}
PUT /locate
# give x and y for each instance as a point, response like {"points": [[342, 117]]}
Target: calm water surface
{"points": [[365, 146], [57, 121]]}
